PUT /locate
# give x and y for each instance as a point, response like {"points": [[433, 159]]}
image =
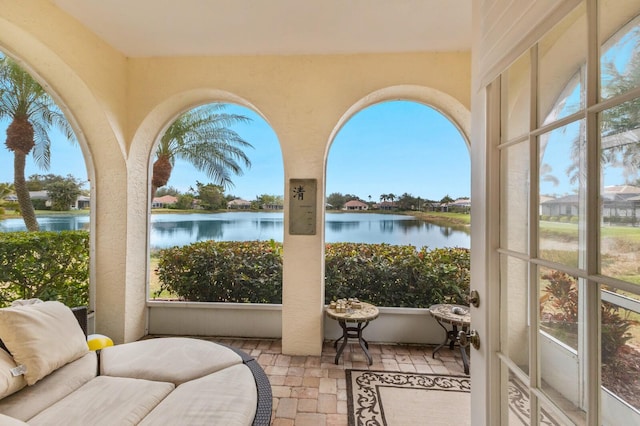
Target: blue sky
{"points": [[392, 147]]}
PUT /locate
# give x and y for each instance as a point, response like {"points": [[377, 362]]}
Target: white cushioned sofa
{"points": [[48, 376]]}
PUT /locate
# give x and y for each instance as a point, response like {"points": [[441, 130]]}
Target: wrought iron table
{"points": [[361, 317], [457, 316]]}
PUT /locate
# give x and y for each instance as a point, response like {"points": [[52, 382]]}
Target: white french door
{"points": [[566, 142]]}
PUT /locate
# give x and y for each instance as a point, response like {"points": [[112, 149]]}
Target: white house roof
{"points": [[145, 28]]}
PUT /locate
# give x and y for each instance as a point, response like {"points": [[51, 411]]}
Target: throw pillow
{"points": [[42, 337], [11, 380]]}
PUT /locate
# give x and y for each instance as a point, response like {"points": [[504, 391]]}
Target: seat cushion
{"points": [[33, 399], [42, 337], [106, 401], [10, 421], [227, 397], [167, 359], [9, 382]]}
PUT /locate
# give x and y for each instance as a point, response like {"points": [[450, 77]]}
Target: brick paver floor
{"points": [[311, 390]]}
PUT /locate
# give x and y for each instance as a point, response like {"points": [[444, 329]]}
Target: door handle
{"points": [[474, 298], [472, 337]]}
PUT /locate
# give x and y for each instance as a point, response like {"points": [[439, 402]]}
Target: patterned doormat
{"points": [[394, 398]]}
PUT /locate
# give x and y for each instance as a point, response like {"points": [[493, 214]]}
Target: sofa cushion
{"points": [[227, 397], [106, 401], [10, 379], [10, 421], [33, 399], [167, 359], [42, 337]]}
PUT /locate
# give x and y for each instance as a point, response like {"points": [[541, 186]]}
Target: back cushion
{"points": [[42, 337], [10, 382]]}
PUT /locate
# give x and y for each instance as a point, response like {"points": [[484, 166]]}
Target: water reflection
{"points": [[169, 230], [54, 223]]}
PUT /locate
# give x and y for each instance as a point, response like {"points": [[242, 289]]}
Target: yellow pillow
{"points": [[11, 379], [42, 337]]}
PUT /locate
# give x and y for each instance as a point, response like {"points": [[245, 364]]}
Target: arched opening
{"points": [[44, 186], [398, 174], [221, 196]]}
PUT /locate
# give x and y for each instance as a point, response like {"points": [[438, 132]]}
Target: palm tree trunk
{"points": [[22, 192]]}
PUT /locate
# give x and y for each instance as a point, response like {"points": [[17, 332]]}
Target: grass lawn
{"points": [[443, 218]]}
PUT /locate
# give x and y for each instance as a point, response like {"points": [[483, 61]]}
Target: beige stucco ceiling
{"points": [[141, 28]]}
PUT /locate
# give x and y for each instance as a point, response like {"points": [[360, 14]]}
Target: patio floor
{"points": [[311, 390]]}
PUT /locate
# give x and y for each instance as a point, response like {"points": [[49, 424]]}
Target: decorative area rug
{"points": [[402, 399]]}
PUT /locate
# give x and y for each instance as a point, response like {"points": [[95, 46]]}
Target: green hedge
{"points": [[46, 265], [228, 271], [385, 275]]}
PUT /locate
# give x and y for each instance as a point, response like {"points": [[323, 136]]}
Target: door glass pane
{"points": [[514, 315], [558, 338], [517, 99], [561, 179], [561, 59], [620, 40], [519, 412], [620, 337], [514, 194], [620, 194]]}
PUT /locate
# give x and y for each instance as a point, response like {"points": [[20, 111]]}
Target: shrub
{"points": [[229, 271], [561, 294], [381, 274], [46, 265]]}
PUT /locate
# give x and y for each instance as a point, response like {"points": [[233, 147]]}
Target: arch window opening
{"points": [[43, 190], [216, 211], [397, 207]]}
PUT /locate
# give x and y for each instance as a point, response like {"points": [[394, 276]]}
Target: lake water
{"points": [[169, 230]]}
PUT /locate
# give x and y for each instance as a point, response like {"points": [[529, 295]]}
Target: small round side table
{"points": [[457, 316], [361, 317]]}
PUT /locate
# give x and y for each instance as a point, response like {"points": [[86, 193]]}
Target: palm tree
{"points": [[201, 136], [391, 197], [32, 112]]}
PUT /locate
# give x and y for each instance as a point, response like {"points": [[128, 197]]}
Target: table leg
{"points": [[354, 333], [345, 337], [446, 339], [465, 359], [463, 352], [363, 343]]}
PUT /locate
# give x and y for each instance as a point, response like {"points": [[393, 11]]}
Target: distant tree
{"points": [[64, 193], [391, 197], [32, 112], [37, 182], [211, 196], [407, 202], [185, 202], [169, 190], [446, 199], [269, 200], [336, 200]]}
